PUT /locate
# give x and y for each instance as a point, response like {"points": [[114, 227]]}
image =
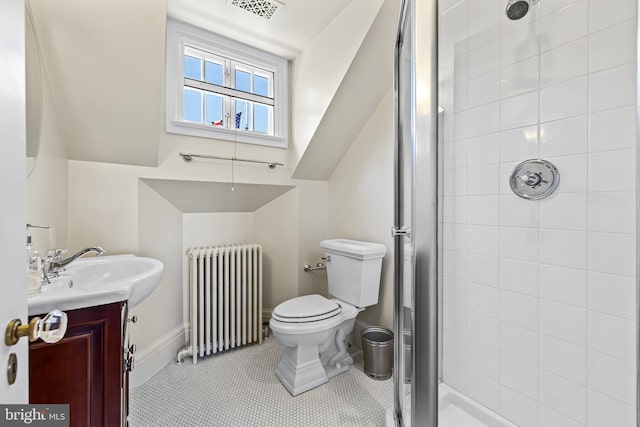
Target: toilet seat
{"points": [[299, 324], [306, 309]]}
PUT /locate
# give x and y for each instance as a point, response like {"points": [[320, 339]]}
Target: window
{"points": [[219, 88]]}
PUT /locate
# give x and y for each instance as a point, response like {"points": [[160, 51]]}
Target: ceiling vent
{"points": [[262, 8]]}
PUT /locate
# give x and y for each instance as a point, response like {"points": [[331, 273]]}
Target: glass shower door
{"points": [[403, 208], [415, 229]]}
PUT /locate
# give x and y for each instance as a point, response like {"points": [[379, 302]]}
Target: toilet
{"points": [[315, 330]]}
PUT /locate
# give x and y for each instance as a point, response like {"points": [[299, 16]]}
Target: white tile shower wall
{"points": [[539, 296]]}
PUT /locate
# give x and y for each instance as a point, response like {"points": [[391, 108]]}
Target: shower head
{"points": [[517, 9]]}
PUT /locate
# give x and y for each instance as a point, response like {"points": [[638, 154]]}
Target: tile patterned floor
{"points": [[239, 388]]}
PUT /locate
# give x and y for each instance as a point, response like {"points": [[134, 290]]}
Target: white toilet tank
{"points": [[353, 270]]}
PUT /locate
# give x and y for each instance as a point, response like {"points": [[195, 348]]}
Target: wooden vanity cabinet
{"points": [[85, 368]]}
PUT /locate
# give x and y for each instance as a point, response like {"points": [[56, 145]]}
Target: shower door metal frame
{"points": [[398, 213], [637, 216], [423, 16]]}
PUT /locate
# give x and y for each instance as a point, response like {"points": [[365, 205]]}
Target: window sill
{"points": [[195, 129]]}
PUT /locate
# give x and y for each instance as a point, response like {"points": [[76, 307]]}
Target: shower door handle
{"points": [[401, 231]]}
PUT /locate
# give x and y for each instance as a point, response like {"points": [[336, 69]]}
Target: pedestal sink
{"points": [[100, 280]]}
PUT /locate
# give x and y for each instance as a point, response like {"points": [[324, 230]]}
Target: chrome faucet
{"points": [[52, 265]]}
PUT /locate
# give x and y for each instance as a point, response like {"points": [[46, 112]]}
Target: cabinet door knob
{"points": [[51, 329]]}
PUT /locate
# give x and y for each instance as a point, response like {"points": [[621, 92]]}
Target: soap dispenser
{"points": [[33, 257], [33, 269]]}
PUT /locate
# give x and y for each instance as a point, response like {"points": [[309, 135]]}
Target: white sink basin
{"points": [[99, 280]]}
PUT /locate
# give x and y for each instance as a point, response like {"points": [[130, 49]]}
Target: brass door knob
{"points": [[51, 329]]}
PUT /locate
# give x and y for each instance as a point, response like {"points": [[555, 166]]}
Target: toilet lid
{"points": [[308, 308]]}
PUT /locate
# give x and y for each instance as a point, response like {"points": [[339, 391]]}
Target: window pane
{"points": [[261, 118], [242, 113], [213, 110], [192, 105], [213, 73], [260, 85], [192, 67], [243, 81]]}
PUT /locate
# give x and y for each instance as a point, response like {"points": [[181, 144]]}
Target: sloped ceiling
{"points": [[104, 61], [318, 72], [203, 196], [286, 33], [366, 82]]}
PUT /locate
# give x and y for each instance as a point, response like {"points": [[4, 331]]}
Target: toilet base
{"points": [[340, 367], [303, 377]]}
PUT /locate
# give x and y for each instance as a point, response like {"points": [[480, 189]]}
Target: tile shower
{"points": [[539, 296]]}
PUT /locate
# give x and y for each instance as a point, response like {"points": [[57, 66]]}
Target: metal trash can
{"points": [[377, 350], [407, 346]]}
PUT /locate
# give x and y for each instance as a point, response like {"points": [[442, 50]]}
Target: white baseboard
{"points": [[155, 357]]}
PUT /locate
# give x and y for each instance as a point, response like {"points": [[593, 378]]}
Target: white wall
{"points": [[539, 296], [361, 200], [47, 183], [222, 228], [276, 229], [159, 332], [47, 191], [103, 206], [313, 228]]}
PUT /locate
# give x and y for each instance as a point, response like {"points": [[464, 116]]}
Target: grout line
{"points": [[541, 87], [510, 33], [466, 133], [499, 222], [586, 114], [589, 240]]}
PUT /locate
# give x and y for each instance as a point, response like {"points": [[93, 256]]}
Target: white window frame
{"points": [[181, 36]]}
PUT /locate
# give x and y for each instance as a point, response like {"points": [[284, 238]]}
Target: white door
{"points": [[13, 277]]}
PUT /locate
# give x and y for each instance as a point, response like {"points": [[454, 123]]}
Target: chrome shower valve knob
{"points": [[534, 179]]}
